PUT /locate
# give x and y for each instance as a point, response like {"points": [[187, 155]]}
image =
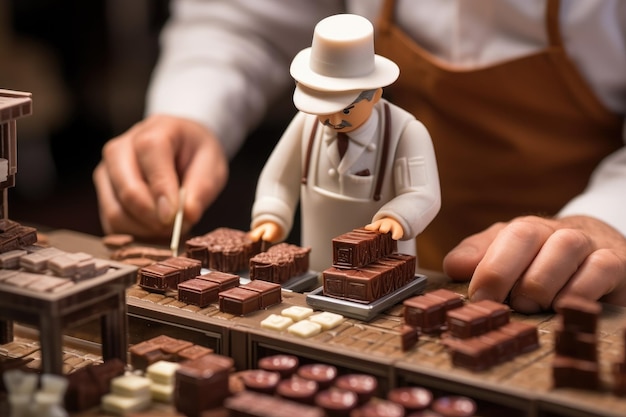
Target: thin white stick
{"points": [[178, 222]]}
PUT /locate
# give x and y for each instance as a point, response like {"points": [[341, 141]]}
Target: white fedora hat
{"points": [[342, 59]]}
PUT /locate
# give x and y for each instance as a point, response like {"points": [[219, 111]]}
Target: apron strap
{"points": [[307, 159], [385, 151], [553, 28], [383, 162]]}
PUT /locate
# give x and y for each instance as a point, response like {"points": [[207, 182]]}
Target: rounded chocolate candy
{"points": [[378, 408], [336, 402], [260, 380], [363, 385], [297, 389], [285, 365], [321, 373], [454, 406], [411, 398]]}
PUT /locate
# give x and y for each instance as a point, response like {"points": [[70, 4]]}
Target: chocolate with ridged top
{"points": [[360, 247], [223, 249], [280, 263]]}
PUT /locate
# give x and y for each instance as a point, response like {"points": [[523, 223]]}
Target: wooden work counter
{"points": [[521, 387]]}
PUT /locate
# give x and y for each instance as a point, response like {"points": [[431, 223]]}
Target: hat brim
{"points": [[385, 73], [313, 101]]}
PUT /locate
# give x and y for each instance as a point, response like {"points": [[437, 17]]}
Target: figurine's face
{"points": [[352, 116]]}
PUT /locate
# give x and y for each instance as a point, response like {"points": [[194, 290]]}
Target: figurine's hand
{"points": [[385, 225], [534, 261], [268, 231], [138, 179]]}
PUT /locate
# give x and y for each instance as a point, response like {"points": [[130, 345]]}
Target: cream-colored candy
{"points": [[305, 328], [327, 319], [297, 313], [162, 372], [276, 322]]}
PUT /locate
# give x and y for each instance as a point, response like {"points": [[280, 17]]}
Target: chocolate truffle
{"points": [[285, 365], [411, 398], [379, 408], [336, 402], [259, 380], [454, 406], [297, 389], [321, 373], [362, 385]]}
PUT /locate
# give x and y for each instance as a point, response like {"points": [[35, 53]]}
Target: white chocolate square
{"points": [[162, 392], [297, 313], [120, 405], [276, 322], [305, 328], [162, 372], [131, 385], [327, 319]]}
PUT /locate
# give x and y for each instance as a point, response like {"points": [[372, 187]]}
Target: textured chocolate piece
{"points": [[260, 380], [363, 385], [321, 373], [464, 322], [471, 353], [576, 344], [223, 279], [252, 404], [239, 301], [579, 314], [526, 335], [223, 249], [269, 292], [15, 236], [298, 389], [198, 292], [498, 313], [156, 254], [455, 406], [575, 373], [409, 336], [280, 263], [427, 314], [188, 267], [449, 298], [202, 384], [285, 365], [370, 282], [360, 247], [336, 402], [193, 352], [411, 398], [158, 277], [504, 346]]}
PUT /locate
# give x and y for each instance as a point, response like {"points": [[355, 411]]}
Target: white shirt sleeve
{"points": [[222, 62]]}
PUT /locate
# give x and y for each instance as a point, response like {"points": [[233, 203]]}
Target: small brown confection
{"points": [[526, 335], [269, 292], [189, 268], [450, 298], [286, 365], [280, 263], [360, 247], [427, 314], [260, 380], [223, 279], [321, 373], [336, 402], [455, 406], [239, 301], [298, 389], [409, 337], [471, 353], [378, 408], [193, 352], [198, 292], [158, 277], [504, 346], [464, 322], [411, 398], [575, 373], [579, 314], [363, 385], [498, 313], [223, 249], [117, 241]]}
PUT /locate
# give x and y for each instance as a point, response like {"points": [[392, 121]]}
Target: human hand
{"points": [[535, 261], [138, 179], [386, 225], [268, 232]]}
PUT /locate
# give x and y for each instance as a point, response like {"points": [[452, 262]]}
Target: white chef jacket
{"points": [[224, 62]]}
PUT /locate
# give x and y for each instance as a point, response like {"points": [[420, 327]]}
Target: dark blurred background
{"points": [[87, 64]]}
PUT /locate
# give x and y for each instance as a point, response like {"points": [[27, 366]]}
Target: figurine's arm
{"points": [[278, 188], [418, 196]]}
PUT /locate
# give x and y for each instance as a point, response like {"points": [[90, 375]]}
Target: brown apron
{"points": [[519, 137]]}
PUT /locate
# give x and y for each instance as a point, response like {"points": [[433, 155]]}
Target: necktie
{"points": [[342, 144]]}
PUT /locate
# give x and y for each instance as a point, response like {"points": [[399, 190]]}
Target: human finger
{"points": [[512, 251]]}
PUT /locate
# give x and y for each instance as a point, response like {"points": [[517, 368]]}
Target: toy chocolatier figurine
{"points": [[387, 177]]}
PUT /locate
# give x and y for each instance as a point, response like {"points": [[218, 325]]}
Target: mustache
{"points": [[344, 123]]}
